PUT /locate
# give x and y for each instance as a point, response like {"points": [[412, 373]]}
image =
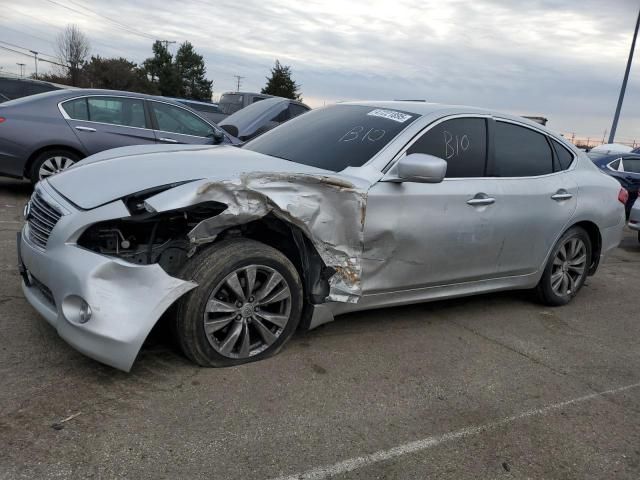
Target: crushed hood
{"points": [[113, 174]]}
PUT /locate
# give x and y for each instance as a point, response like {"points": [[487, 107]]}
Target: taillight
{"points": [[2, 119], [623, 196]]}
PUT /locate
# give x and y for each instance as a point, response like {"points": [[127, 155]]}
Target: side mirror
{"points": [[217, 137], [421, 168]]}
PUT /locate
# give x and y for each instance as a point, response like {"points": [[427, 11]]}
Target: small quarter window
{"points": [[77, 109], [564, 156]]}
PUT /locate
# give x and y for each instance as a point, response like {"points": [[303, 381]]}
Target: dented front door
{"points": [[420, 235]]}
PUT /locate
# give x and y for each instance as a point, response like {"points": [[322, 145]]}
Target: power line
{"points": [[132, 29], [32, 56], [117, 24], [110, 47], [25, 48]]}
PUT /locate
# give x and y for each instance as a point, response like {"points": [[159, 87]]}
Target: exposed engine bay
{"points": [[146, 237]]}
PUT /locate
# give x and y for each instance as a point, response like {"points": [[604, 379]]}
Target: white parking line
{"points": [[433, 441]]}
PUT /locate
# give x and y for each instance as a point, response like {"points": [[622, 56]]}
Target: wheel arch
{"points": [[298, 248], [36, 153], [596, 242]]}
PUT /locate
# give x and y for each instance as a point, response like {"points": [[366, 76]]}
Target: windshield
{"points": [[230, 103], [334, 138]]}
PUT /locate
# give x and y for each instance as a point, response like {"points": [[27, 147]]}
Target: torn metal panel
{"points": [[329, 210]]}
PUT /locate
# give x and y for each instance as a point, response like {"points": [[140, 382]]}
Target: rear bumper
{"points": [[126, 300]]}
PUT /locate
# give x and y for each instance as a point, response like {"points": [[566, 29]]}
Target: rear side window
{"points": [[631, 165], [127, 112], [77, 109], [462, 142], [520, 152], [565, 157]]}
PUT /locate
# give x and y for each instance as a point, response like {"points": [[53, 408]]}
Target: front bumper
{"points": [[126, 300]]}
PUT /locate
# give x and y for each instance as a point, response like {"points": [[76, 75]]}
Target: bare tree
{"points": [[73, 47]]}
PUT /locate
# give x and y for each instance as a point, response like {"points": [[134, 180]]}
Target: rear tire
{"points": [[51, 162], [247, 304], [566, 269]]}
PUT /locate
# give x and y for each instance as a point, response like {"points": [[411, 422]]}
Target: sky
{"points": [[562, 59]]}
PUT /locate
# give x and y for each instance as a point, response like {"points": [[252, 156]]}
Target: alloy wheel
{"points": [[247, 311], [54, 165], [569, 267]]}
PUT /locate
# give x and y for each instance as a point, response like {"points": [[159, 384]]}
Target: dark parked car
{"points": [[636, 150], [258, 118], [46, 133], [232, 102], [624, 167], [12, 88], [211, 111]]}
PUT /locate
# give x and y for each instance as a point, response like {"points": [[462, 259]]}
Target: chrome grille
{"points": [[42, 217]]}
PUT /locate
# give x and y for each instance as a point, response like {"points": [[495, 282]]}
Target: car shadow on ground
{"points": [[15, 187]]}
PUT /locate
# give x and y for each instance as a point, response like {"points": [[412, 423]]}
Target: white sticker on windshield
{"points": [[390, 114]]}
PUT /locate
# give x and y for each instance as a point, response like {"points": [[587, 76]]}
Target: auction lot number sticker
{"points": [[390, 114]]}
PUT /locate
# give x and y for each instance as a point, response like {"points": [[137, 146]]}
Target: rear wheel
{"points": [[566, 269], [51, 162], [247, 304]]}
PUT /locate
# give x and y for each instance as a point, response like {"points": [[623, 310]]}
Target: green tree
{"points": [[116, 74], [161, 70], [191, 73], [281, 84]]}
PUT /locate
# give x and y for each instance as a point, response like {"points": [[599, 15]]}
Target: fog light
{"points": [[76, 310], [85, 312]]}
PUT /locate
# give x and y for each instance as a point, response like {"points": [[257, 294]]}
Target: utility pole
{"points": [[36, 58], [616, 117], [166, 43], [239, 81], [21, 65]]}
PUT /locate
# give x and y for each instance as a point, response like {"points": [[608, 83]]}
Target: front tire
{"points": [[247, 304], [566, 269], [51, 162]]}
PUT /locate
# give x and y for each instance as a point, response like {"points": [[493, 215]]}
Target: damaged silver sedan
{"points": [[350, 207]]}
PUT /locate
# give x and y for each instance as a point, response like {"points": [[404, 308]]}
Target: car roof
{"points": [[61, 95], [440, 110]]}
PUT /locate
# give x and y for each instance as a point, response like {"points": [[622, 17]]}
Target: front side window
{"points": [[334, 138], [462, 142], [126, 112], [178, 120], [520, 152], [77, 109]]}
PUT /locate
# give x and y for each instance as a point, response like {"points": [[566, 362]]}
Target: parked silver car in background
{"points": [[350, 207]]}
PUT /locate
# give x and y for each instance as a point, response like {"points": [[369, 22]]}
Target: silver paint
{"points": [[390, 243]]}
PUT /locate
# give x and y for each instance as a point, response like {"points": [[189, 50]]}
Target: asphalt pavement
{"points": [[494, 386]]}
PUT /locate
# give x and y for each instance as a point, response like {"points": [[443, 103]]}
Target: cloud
{"points": [[561, 59]]}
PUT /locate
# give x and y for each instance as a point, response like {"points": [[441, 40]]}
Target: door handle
{"points": [[85, 129], [480, 200], [561, 195], [168, 140]]}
